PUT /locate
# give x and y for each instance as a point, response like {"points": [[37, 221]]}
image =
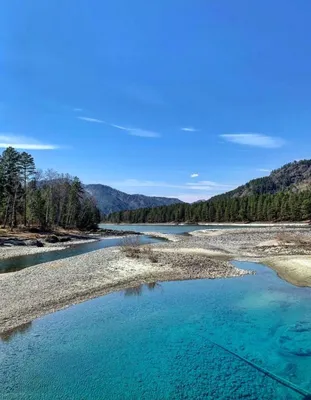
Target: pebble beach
{"points": [[52, 286]]}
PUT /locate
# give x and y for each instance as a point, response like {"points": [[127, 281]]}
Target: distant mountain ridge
{"points": [[284, 195], [110, 200], [294, 176]]}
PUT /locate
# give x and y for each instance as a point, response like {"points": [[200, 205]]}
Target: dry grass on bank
{"points": [[293, 239], [132, 247]]}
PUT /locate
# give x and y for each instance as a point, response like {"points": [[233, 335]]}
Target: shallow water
{"points": [[21, 262], [154, 343], [173, 229], [18, 263]]}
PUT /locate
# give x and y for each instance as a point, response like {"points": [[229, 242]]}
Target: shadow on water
{"points": [[138, 290], [21, 329]]}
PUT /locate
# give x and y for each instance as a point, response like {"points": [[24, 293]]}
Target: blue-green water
{"points": [[156, 345], [174, 229], [18, 263]]}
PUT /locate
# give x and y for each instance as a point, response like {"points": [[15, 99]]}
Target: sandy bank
{"points": [[255, 241], [49, 287], [294, 269], [285, 249], [206, 252]]}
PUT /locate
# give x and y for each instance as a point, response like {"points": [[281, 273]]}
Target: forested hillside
{"points": [[294, 176], [47, 199], [110, 200], [285, 195]]}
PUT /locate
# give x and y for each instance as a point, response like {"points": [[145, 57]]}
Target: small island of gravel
{"points": [[55, 285]]}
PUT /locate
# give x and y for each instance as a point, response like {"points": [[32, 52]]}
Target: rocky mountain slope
{"points": [[111, 200]]}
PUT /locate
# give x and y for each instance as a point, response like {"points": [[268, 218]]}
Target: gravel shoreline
{"points": [[18, 251], [252, 242], [286, 249], [52, 286], [45, 288]]}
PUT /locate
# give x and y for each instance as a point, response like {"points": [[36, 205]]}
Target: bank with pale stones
{"points": [[45, 288]]}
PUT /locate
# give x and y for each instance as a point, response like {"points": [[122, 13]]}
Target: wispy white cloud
{"points": [[24, 143], [194, 175], [143, 183], [189, 129], [98, 121], [131, 131], [255, 140], [201, 185], [188, 192], [144, 133], [208, 185], [137, 131], [263, 170], [123, 128], [77, 109]]}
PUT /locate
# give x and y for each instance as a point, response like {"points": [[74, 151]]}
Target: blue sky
{"points": [[167, 97]]}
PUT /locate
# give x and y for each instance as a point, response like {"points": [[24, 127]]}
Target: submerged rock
{"points": [[52, 239], [296, 339], [37, 243]]}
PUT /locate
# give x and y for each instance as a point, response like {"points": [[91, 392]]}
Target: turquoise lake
{"points": [[154, 343]]}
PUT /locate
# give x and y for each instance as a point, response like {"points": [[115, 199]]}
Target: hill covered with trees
{"points": [[111, 200], [285, 195], [294, 176], [48, 199]]}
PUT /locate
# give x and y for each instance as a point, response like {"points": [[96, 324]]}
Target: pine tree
{"points": [[27, 170], [11, 184], [74, 202], [285, 212], [306, 208], [294, 208]]}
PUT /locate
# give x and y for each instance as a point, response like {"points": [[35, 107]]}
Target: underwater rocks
{"points": [[296, 339]]}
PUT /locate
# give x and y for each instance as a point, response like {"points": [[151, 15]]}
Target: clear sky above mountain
{"points": [[168, 97]]}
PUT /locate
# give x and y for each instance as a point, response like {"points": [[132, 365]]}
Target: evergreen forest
{"points": [[283, 206], [31, 197]]}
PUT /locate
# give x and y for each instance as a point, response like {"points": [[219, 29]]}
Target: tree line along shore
{"points": [[281, 207]]}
